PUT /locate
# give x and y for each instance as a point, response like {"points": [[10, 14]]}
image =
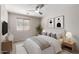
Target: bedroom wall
{"points": [[4, 13], [22, 35], [71, 13], [0, 21], [4, 16]]}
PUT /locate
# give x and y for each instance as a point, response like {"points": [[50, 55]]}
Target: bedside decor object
{"points": [[59, 22], [68, 35]]}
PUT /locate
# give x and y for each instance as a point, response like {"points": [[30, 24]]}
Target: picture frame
{"points": [[51, 23], [59, 22]]}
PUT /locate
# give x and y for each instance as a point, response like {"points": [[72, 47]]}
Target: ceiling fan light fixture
{"points": [[36, 11]]}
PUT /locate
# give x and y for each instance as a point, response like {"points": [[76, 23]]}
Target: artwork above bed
{"points": [[59, 22], [51, 23], [56, 22]]}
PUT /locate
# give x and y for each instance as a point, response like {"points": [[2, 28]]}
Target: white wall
{"points": [[3, 17], [0, 21], [22, 35], [4, 13], [71, 13]]}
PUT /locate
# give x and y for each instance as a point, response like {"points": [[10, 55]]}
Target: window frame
{"points": [[23, 24]]}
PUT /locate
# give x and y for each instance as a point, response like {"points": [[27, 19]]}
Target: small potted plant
{"points": [[39, 29]]}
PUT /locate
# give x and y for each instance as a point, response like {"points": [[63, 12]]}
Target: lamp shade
{"points": [[43, 31], [68, 35]]}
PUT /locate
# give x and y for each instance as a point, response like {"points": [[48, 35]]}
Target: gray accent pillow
{"points": [[44, 33], [53, 35]]}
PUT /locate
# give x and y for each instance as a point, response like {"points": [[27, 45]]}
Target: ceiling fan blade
{"points": [[39, 6], [30, 10], [37, 9], [40, 13], [42, 5]]}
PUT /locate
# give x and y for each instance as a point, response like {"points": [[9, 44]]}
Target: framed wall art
{"points": [[59, 22], [51, 23]]}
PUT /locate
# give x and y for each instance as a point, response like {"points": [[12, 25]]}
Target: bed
{"points": [[47, 43]]}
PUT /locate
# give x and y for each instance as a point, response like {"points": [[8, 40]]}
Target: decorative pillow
{"points": [[50, 34], [44, 33], [53, 35]]}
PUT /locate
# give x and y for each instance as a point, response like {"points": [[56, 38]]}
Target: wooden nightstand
{"points": [[6, 47], [68, 45]]}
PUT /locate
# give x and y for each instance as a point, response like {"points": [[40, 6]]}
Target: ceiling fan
{"points": [[37, 9]]}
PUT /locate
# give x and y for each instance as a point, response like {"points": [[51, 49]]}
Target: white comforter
{"points": [[33, 48], [55, 44]]}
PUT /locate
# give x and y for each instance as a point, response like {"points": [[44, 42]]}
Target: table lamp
{"points": [[68, 35]]}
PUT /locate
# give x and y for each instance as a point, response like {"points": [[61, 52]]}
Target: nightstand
{"points": [[6, 47], [68, 45]]}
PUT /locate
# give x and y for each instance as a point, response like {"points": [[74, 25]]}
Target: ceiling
{"points": [[46, 10], [24, 6], [23, 9]]}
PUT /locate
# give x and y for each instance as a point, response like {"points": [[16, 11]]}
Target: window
{"points": [[23, 24]]}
